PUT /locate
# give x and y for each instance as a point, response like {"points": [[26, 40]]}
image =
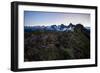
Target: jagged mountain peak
{"points": [[79, 27], [61, 27]]}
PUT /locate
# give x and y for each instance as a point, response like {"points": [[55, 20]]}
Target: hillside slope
{"points": [[50, 45]]}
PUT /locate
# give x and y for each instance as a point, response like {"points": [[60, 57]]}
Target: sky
{"points": [[39, 18]]}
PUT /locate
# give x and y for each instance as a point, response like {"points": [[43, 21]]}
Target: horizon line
{"points": [[55, 24]]}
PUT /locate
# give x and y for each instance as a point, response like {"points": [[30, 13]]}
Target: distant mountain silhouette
{"points": [[61, 27]]}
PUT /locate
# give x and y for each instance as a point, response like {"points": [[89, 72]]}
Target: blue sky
{"points": [[36, 18]]}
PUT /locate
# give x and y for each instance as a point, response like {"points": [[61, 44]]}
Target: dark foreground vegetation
{"points": [[57, 45]]}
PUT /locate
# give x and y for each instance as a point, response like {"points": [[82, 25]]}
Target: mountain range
{"points": [[56, 42], [61, 27]]}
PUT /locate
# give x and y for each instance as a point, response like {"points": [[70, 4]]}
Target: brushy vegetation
{"points": [[50, 45]]}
